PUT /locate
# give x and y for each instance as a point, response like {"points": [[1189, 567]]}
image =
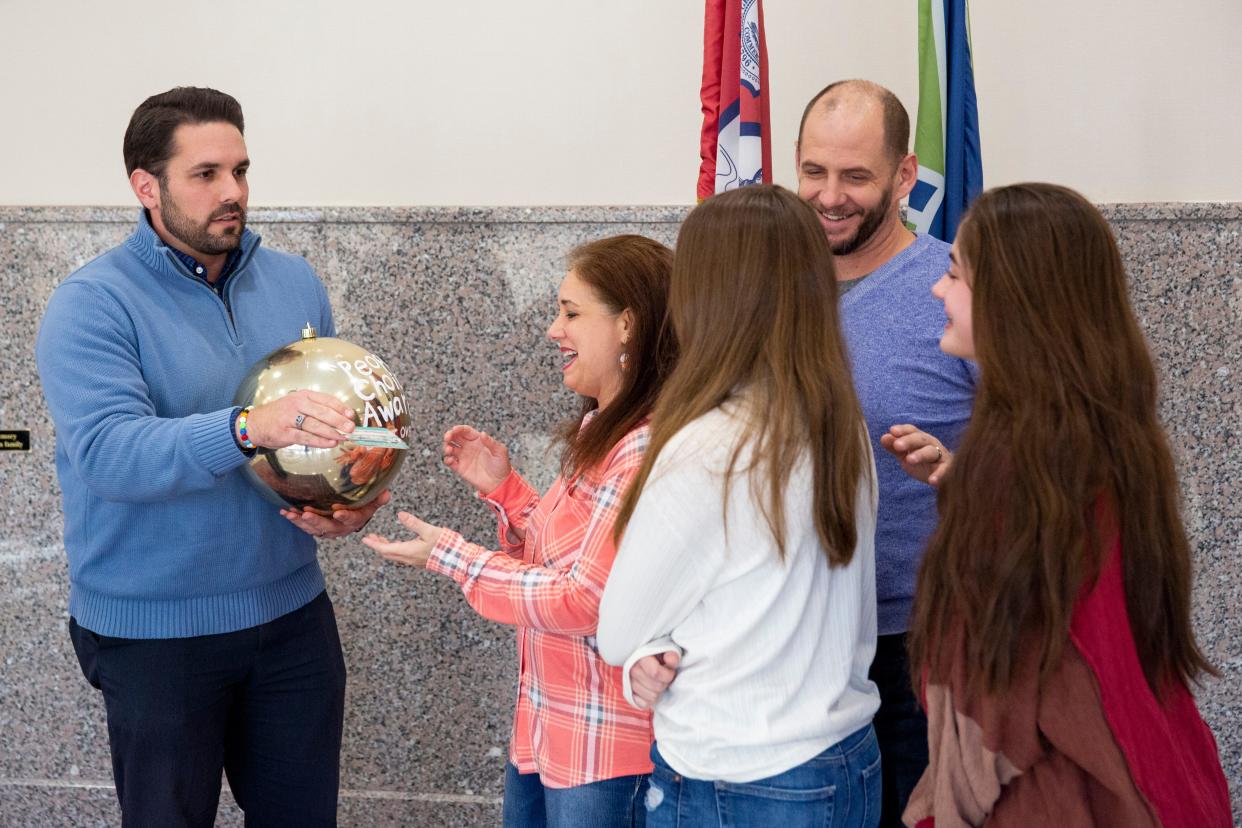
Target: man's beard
{"points": [[871, 221], [199, 236]]}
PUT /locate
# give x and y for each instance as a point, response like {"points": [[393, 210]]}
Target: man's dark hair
{"points": [[149, 136], [896, 119]]}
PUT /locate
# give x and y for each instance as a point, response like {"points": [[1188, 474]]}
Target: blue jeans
{"points": [[609, 803], [900, 725], [839, 788]]}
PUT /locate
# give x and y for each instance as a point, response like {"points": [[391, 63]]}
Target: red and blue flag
{"points": [[736, 147]]}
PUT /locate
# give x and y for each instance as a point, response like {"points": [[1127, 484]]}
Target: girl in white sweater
{"points": [[747, 537]]}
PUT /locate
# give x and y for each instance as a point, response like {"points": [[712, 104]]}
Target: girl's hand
{"points": [[921, 455], [650, 677]]}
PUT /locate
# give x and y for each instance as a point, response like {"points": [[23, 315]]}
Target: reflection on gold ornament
{"points": [[357, 470]]}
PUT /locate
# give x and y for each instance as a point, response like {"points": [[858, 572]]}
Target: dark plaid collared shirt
{"points": [[200, 270]]}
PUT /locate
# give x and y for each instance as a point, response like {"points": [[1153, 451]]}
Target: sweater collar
{"points": [[148, 246]]}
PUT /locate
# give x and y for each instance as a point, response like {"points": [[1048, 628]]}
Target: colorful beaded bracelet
{"points": [[242, 436]]}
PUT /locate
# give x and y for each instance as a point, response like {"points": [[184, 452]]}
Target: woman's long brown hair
{"points": [[753, 304], [625, 272], [1064, 452]]}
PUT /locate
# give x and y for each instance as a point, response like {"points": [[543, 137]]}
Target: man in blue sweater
{"points": [[854, 168], [196, 608]]}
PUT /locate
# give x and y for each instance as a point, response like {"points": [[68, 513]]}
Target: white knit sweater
{"points": [[775, 653]]}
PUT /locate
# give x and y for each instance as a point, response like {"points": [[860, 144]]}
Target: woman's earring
{"points": [[623, 359]]}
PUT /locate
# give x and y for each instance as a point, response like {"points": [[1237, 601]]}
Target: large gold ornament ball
{"points": [[357, 470]]}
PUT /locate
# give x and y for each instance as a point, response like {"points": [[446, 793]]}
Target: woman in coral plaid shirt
{"points": [[579, 753]]}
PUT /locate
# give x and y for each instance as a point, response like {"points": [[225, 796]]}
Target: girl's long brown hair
{"points": [[625, 272], [753, 304], [1063, 452]]}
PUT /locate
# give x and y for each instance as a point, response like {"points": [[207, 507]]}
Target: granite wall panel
{"points": [[457, 301]]}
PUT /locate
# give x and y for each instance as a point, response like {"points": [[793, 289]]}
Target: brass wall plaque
{"points": [[15, 440]]}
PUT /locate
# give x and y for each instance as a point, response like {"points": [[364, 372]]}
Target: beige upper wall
{"points": [[483, 102]]}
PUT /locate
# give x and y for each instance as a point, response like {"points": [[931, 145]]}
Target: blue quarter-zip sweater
{"points": [[139, 361]]}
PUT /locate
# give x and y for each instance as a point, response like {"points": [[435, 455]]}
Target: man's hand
{"points": [[344, 521], [413, 552], [650, 677], [921, 455], [303, 418], [477, 458]]}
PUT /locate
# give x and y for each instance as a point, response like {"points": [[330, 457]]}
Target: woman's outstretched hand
{"points": [[477, 458], [921, 455], [413, 552]]}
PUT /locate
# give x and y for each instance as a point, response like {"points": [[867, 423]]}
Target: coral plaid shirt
{"points": [[572, 724]]}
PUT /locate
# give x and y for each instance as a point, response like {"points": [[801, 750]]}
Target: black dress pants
{"points": [[900, 727], [264, 705]]}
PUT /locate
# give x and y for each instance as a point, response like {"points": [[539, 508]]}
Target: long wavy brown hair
{"points": [[1064, 452], [753, 304], [625, 272]]}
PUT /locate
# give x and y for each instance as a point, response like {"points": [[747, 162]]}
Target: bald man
{"points": [[854, 168]]}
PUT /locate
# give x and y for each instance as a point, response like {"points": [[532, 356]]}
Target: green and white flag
{"points": [[946, 134]]}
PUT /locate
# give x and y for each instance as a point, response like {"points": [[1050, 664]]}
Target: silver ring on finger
{"points": [[939, 454], [298, 420]]}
